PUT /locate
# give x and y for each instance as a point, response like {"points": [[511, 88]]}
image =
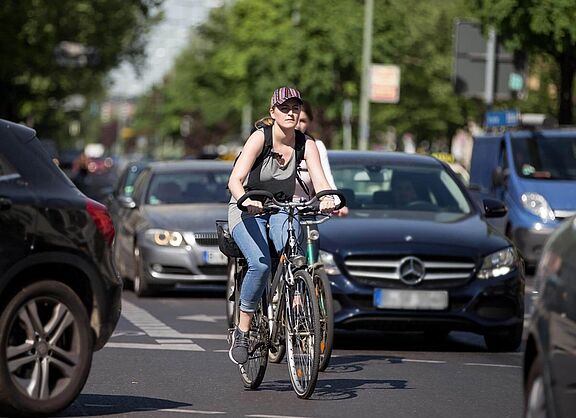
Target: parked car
{"points": [[550, 355], [60, 296], [415, 252], [168, 234]]}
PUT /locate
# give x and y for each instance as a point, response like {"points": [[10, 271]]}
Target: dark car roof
{"points": [[20, 131], [393, 158], [187, 165]]}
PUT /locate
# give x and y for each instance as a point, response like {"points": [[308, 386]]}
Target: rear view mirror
{"points": [[494, 208]]}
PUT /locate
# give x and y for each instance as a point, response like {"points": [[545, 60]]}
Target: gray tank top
{"points": [[270, 171]]}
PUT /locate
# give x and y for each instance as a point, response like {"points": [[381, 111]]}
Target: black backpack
{"points": [[300, 149]]}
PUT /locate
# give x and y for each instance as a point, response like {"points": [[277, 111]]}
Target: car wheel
{"points": [[508, 339], [141, 286], [45, 349], [535, 394]]}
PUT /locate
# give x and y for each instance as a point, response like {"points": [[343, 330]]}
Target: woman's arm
{"points": [[251, 150], [323, 153], [316, 172]]}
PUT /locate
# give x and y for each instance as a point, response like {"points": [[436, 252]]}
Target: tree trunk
{"points": [[567, 71]]}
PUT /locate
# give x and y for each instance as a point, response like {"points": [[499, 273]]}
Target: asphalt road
{"points": [[168, 358]]}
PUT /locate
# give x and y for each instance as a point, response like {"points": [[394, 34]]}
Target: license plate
{"points": [[411, 299], [214, 257]]}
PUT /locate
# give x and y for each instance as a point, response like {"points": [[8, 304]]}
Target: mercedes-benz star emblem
{"points": [[411, 270]]}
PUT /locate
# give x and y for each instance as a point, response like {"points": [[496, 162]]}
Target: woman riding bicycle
{"points": [[273, 171]]}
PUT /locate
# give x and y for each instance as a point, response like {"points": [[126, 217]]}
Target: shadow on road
{"points": [[88, 405], [338, 389]]}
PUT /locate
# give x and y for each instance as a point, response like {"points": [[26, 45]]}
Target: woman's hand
{"points": [[327, 204], [254, 206], [343, 211]]}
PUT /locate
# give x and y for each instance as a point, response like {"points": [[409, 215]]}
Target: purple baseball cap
{"points": [[282, 94]]}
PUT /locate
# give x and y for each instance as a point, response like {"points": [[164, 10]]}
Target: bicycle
{"points": [[296, 311], [323, 293]]}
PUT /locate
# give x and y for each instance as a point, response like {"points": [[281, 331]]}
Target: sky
{"points": [[167, 39]]}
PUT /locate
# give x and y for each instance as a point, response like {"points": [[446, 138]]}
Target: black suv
{"points": [[60, 295]]}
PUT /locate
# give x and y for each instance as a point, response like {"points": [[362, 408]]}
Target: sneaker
{"points": [[239, 348]]}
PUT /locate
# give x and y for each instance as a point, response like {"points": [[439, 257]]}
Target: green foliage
{"points": [[247, 48], [539, 27], [33, 84]]}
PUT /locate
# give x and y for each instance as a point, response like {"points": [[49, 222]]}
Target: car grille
{"points": [[379, 270], [209, 239]]}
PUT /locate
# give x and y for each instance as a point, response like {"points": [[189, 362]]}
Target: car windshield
{"points": [[405, 188], [545, 158], [188, 187]]}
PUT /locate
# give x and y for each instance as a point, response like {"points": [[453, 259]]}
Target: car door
{"points": [[562, 308], [126, 231], [17, 212]]}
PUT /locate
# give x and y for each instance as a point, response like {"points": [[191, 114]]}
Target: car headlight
{"points": [[165, 238], [498, 264], [536, 203], [330, 266]]}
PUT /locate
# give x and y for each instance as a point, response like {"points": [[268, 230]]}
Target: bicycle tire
{"points": [[278, 346], [326, 307], [302, 334], [252, 372]]}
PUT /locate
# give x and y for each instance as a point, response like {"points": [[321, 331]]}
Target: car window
{"points": [[427, 189], [188, 187], [545, 158], [7, 170]]}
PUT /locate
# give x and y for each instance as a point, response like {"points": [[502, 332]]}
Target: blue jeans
{"points": [[251, 237]]}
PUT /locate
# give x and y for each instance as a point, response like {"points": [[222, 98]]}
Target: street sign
{"points": [[384, 83], [470, 58], [502, 119]]}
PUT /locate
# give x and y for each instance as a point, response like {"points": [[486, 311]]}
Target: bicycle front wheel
{"points": [[303, 334], [252, 372]]}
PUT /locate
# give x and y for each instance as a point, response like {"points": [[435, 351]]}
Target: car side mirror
{"points": [[126, 202], [494, 208]]}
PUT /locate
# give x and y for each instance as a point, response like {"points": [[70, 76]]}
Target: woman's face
{"points": [[303, 122], [286, 115]]}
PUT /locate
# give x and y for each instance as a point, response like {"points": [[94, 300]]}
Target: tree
{"points": [[540, 27], [32, 82], [247, 48]]}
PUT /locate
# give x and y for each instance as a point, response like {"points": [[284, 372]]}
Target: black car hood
{"points": [[373, 232], [190, 217]]}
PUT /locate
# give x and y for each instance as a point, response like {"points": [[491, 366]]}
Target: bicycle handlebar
{"points": [[302, 206]]}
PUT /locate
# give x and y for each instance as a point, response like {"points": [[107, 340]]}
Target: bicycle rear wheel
{"points": [[303, 334], [252, 372], [326, 307]]}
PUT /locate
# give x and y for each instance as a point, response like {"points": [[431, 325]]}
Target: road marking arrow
{"points": [[203, 318]]}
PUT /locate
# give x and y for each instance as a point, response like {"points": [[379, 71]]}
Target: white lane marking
{"points": [[193, 411], [203, 318], [407, 360], [273, 416], [493, 365], [173, 347], [156, 328], [177, 341], [184, 411]]}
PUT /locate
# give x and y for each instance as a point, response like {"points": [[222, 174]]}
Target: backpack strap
{"points": [[300, 145]]}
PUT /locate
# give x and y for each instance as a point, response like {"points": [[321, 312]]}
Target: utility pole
{"points": [[490, 67], [364, 122]]}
